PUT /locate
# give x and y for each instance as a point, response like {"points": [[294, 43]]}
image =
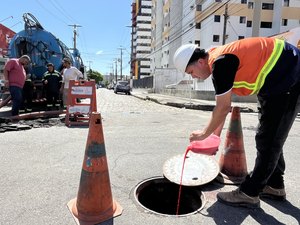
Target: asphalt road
{"points": [[41, 167]]}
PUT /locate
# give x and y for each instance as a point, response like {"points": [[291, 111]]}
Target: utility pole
{"points": [[111, 75], [225, 24], [116, 61], [121, 70], [89, 62], [75, 33]]}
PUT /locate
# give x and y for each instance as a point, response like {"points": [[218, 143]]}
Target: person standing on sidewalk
{"points": [[15, 76], [269, 68], [69, 73]]}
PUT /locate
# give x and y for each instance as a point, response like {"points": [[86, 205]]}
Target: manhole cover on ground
{"points": [[199, 169], [160, 196]]}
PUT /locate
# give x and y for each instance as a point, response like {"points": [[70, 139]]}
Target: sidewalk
{"points": [[187, 103]]}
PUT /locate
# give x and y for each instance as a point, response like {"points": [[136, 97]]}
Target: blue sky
{"points": [[102, 33]]}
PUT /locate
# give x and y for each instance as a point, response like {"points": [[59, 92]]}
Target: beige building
{"points": [[141, 38]]}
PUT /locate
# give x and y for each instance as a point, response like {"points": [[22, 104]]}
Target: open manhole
{"points": [[160, 196]]}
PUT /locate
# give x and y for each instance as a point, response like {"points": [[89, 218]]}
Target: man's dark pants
{"points": [[276, 116], [17, 99]]}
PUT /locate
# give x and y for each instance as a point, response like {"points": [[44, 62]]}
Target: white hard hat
{"points": [[183, 55]]}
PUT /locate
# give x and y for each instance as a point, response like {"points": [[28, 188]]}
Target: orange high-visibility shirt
{"points": [[257, 57]]}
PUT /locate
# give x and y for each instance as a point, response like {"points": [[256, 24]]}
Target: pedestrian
{"points": [[15, 76], [269, 68], [52, 81], [69, 73]]}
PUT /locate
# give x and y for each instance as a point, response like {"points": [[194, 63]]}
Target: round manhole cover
{"points": [[199, 169], [160, 196]]}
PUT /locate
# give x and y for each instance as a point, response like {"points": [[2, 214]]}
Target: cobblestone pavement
{"points": [[108, 102], [40, 168]]}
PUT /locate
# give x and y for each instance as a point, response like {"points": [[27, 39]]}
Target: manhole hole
{"points": [[160, 196]]}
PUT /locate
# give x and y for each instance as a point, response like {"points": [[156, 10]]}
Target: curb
{"points": [[203, 107]]}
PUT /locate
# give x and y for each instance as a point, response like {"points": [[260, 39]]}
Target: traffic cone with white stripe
{"points": [[232, 162], [94, 202]]}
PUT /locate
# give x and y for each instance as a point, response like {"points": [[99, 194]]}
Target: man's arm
{"points": [[79, 74], [218, 116], [5, 73]]}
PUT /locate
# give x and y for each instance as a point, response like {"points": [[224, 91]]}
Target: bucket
{"points": [[208, 146]]}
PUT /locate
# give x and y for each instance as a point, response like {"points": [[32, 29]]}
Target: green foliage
{"points": [[106, 83], [95, 75]]}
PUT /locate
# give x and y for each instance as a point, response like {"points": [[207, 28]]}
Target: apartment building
{"points": [[211, 23], [141, 38]]}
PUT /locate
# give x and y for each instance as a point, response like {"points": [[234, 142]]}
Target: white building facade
{"points": [[210, 23]]}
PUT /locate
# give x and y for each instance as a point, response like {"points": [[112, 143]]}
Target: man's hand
{"points": [[6, 83], [197, 135]]}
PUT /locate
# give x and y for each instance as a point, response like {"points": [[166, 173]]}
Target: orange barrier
{"points": [[78, 112], [94, 202], [233, 165]]}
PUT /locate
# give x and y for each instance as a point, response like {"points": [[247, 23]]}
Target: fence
{"points": [[146, 82]]}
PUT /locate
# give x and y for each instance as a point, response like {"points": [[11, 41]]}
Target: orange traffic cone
{"points": [[233, 165], [94, 202]]}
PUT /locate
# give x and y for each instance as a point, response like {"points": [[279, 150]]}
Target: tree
{"points": [[91, 74]]}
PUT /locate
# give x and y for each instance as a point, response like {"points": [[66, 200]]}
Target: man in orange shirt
{"points": [[269, 68]]}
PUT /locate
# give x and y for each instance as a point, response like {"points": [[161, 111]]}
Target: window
{"points": [[284, 22], [198, 25], [199, 7], [216, 38], [244, 1], [241, 37], [286, 3], [266, 24], [217, 18], [249, 23], [267, 6], [197, 42], [250, 5], [242, 19]]}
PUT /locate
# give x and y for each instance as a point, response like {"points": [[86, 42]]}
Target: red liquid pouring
{"points": [[180, 185], [208, 146]]}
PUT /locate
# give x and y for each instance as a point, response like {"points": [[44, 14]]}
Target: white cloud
{"points": [[99, 52]]}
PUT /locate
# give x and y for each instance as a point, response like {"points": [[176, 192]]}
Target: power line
{"points": [[180, 35]]}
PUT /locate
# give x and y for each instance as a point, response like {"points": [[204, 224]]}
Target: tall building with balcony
{"points": [[166, 23], [141, 38], [210, 23]]}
